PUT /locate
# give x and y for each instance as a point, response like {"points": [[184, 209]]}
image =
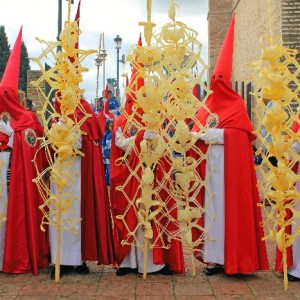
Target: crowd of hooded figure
{"points": [[235, 242]]}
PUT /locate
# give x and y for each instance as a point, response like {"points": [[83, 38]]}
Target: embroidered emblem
{"points": [[30, 137], [6, 117], [212, 120]]}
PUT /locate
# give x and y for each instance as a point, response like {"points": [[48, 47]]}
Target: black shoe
{"points": [[125, 271], [83, 269], [52, 274], [165, 271], [212, 271], [293, 278], [63, 271]]}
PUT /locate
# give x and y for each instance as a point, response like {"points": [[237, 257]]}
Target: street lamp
{"points": [[101, 57], [118, 44], [98, 64]]}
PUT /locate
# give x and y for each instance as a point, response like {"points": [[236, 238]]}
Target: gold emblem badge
{"points": [[212, 120], [6, 117], [30, 137]]}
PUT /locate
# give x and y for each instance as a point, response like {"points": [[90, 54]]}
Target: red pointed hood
{"points": [[105, 95], [196, 89], [12, 70], [132, 87], [91, 125], [77, 19], [228, 105], [223, 67], [10, 105], [135, 83]]}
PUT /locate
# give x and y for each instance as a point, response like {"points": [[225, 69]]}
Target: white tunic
{"points": [[4, 161], [70, 242], [214, 197], [135, 258], [295, 269]]}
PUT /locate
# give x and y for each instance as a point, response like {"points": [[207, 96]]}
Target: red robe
{"points": [[119, 173], [26, 246], [96, 225], [245, 252]]}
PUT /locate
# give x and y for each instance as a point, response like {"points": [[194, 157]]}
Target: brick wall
{"points": [[219, 16], [32, 92]]}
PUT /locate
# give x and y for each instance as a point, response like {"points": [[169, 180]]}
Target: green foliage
{"points": [[4, 50], [24, 67], [4, 55]]}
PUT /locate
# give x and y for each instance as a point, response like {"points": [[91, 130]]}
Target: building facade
{"points": [[252, 24]]}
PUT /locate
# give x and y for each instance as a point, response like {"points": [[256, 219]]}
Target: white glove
{"points": [[199, 135], [296, 147], [203, 137], [61, 122], [212, 136], [6, 128], [150, 135]]}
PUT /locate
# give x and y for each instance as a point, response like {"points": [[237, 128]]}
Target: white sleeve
{"points": [[11, 141], [79, 142], [213, 136], [121, 141], [296, 147]]}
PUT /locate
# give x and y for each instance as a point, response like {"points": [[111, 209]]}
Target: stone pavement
{"points": [[102, 283]]}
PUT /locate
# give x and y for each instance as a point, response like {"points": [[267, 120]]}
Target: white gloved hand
{"points": [[199, 135], [150, 135], [203, 137], [6, 128], [60, 122], [296, 147]]}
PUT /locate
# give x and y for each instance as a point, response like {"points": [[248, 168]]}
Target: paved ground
{"points": [[102, 283]]}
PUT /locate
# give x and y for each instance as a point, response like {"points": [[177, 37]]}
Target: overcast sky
{"points": [[40, 18]]}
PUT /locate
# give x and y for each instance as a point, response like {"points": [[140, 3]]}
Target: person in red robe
{"points": [[95, 241], [232, 217], [104, 115], [25, 246], [128, 256], [292, 252]]}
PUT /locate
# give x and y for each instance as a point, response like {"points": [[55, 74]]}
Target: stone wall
{"points": [[291, 23], [251, 32]]}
